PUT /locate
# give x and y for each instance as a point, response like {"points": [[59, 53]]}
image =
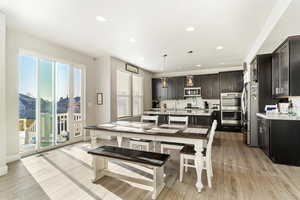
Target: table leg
{"points": [[93, 139], [119, 139], [199, 164]]}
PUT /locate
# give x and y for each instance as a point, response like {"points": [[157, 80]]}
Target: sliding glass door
{"points": [[51, 103], [77, 102], [62, 103], [27, 103], [46, 103]]}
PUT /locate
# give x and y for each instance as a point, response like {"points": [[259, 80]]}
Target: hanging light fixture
{"points": [[189, 81], [164, 80]]}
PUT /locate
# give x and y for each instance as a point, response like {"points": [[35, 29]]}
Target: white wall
{"points": [[3, 167], [17, 40], [103, 85]]}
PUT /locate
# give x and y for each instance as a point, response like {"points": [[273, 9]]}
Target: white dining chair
{"points": [[136, 142], [188, 153], [173, 145]]}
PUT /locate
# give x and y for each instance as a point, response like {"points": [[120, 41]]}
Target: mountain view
{"points": [[27, 106]]}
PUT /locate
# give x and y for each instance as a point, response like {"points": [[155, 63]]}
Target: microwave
{"points": [[192, 92]]}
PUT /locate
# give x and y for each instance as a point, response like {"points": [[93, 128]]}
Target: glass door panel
{"points": [[46, 105], [62, 103], [27, 103], [77, 101]]}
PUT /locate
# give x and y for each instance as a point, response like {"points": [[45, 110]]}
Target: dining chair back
{"points": [[145, 118], [176, 119]]}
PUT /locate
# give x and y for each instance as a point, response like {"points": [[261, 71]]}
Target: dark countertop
{"points": [[145, 157], [144, 128]]}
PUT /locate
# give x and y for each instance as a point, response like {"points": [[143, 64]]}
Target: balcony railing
{"points": [[28, 129]]}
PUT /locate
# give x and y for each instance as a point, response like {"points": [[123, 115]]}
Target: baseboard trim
{"points": [[3, 170], [13, 158]]}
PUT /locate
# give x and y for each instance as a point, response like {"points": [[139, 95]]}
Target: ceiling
{"points": [[288, 25], [157, 26]]}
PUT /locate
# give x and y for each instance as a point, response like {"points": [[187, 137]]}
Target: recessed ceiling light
{"points": [[219, 47], [132, 40], [198, 65], [101, 19], [190, 29]]}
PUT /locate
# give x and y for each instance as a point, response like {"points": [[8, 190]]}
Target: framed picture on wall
{"points": [[99, 98], [132, 68]]}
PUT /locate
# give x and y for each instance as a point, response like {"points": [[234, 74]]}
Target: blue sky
{"points": [[28, 78]]}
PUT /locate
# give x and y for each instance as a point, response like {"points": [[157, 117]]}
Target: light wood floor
{"points": [[240, 172]]}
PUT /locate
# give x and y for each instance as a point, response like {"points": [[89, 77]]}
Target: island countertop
{"points": [[193, 112]]}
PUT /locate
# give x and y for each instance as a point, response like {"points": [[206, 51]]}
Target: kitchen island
{"points": [[196, 116]]}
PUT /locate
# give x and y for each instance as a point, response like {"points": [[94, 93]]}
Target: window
{"points": [[137, 95], [123, 94], [129, 94]]}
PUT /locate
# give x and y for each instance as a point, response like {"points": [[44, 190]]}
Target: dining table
{"points": [[191, 135]]}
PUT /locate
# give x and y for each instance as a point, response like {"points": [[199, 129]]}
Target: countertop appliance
{"points": [[231, 108], [192, 92]]}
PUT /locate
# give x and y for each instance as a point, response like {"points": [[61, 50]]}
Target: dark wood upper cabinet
{"points": [[262, 67], [156, 89], [231, 81], [180, 82], [286, 68], [209, 85], [171, 90]]}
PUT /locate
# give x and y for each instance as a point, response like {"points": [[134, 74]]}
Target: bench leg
{"points": [[158, 181], [99, 166]]}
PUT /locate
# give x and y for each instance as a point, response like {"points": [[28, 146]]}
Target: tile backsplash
{"points": [[296, 102], [195, 102]]}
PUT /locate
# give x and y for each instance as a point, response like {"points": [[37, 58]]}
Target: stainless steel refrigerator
{"points": [[252, 139], [249, 110]]}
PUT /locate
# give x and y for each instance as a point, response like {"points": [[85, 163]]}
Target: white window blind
{"points": [[137, 95], [123, 94]]}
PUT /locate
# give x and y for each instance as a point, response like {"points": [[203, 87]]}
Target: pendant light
{"points": [[189, 81], [164, 80]]}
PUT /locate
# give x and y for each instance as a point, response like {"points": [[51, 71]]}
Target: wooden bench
{"points": [[152, 160]]}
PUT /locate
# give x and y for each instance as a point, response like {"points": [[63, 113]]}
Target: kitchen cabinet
{"points": [[263, 134], [286, 68], [174, 90], [156, 89], [171, 90], [179, 87], [279, 140], [158, 93], [209, 85], [285, 139], [261, 68], [231, 81], [281, 71]]}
